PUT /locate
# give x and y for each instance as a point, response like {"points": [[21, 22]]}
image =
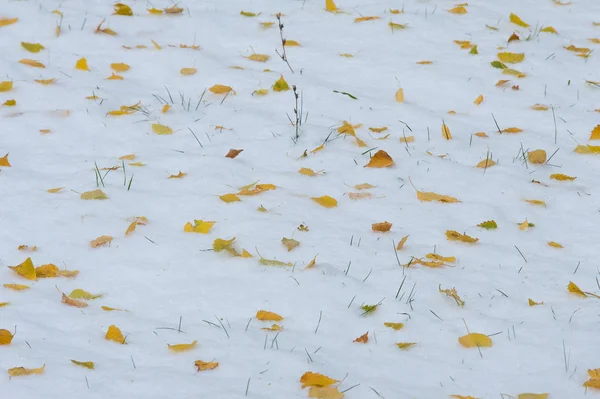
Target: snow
{"points": [[164, 277]]}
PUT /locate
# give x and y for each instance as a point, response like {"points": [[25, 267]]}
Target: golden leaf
{"points": [[289, 243], [82, 65], [7, 21], [27, 248], [6, 86], [114, 334], [122, 9], [325, 393], [9, 103], [264, 315], [100, 241], [109, 309], [115, 77], [221, 89], [281, 85], [512, 130], [458, 10], [259, 57], [536, 202], [452, 293], [189, 71], [532, 396], [87, 365], [472, 340], [479, 99], [312, 263], [6, 337], [363, 19], [452, 235], [47, 271], [32, 47], [486, 163], [587, 149], [266, 25], [537, 156], [326, 201], [573, 288], [4, 161], [32, 63], [25, 269], [402, 242], [233, 153], [561, 177], [260, 92], [395, 25], [16, 287], [161, 129], [203, 366], [575, 49], [549, 29], [310, 379], [182, 347], [229, 198], [381, 159], [511, 58], [595, 135], [405, 345], [248, 14], [78, 293], [446, 132], [431, 196], [539, 107], [394, 326], [3, 304], [45, 81], [531, 302], [173, 10], [555, 244], [330, 6], [155, 11], [381, 227], [400, 95], [21, 371], [120, 67], [518, 21], [363, 339]]}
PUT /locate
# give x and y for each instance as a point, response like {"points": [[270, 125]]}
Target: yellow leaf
{"points": [[440, 258], [248, 14], [128, 157], [378, 129], [381, 227], [539, 107], [27, 248], [47, 271], [452, 235], [264, 315], [363, 19], [182, 347], [588, 149], [402, 242], [549, 29], [45, 131], [458, 10], [114, 334], [479, 100], [561, 177], [312, 263], [400, 95], [532, 396], [156, 46], [405, 345], [594, 40], [486, 163], [165, 108], [446, 132], [120, 67], [452, 293], [289, 243], [346, 55], [106, 31], [199, 226], [179, 175], [137, 164], [45, 81], [512, 130], [25, 269], [531, 302], [537, 202], [246, 254], [281, 85], [394, 326], [326, 201], [6, 86], [203, 366], [310, 379], [16, 287], [518, 21], [9, 103], [230, 198], [325, 393], [511, 58], [82, 65], [475, 340], [525, 225], [395, 25], [266, 25], [122, 9], [87, 365], [102, 240], [174, 10], [537, 156], [21, 371], [32, 63], [428, 196], [7, 21], [3, 304], [307, 172], [32, 47], [109, 309], [78, 293], [330, 6], [573, 288], [155, 11], [501, 83], [188, 71], [259, 57], [221, 89], [595, 135], [260, 92], [575, 49], [115, 77], [161, 129], [6, 337], [4, 161], [381, 159]]}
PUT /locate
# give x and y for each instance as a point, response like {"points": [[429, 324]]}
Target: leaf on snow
{"points": [[310, 379], [25, 269], [473, 340], [326, 201], [182, 347], [452, 235], [114, 334]]}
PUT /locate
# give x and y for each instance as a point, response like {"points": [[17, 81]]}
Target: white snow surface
{"points": [[162, 275]]}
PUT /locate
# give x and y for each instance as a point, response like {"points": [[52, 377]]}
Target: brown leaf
{"points": [[363, 339], [381, 227], [233, 153]]}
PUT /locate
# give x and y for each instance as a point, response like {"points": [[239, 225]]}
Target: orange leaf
{"points": [[233, 153]]}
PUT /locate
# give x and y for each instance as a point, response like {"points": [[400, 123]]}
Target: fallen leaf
{"points": [[173, 10], [6, 337], [394, 326], [82, 65], [363, 339], [6, 86], [595, 135], [518, 21], [452, 293], [281, 85], [561, 177], [405, 345], [594, 381], [122, 9], [364, 19], [488, 225], [182, 347], [7, 21], [537, 156], [536, 202], [549, 29], [229, 198], [400, 95], [532, 396], [573, 288], [21, 371], [289, 243], [4, 161], [114, 334], [512, 130], [47, 271], [161, 129], [478, 100], [486, 163], [555, 244], [310, 379], [381, 159], [100, 241], [233, 153], [472, 340], [109, 309], [395, 25], [189, 72], [120, 67], [531, 302], [312, 263], [78, 293], [325, 393], [73, 302], [16, 287], [25, 269], [259, 57], [431, 196], [587, 149], [525, 225], [203, 366], [452, 235], [93, 195], [87, 365], [458, 10], [539, 107], [402, 242], [446, 132], [381, 227], [264, 315], [326, 201], [221, 89]]}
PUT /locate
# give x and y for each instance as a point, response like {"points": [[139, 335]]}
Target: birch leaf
{"points": [[188, 71], [4, 161], [161, 129], [452, 235], [574, 289], [381, 159], [199, 226], [182, 347], [7, 21], [537, 156], [78, 293], [431, 196], [595, 135], [220, 89], [6, 337], [122, 9], [405, 345], [32, 63], [587, 149], [25, 269], [511, 58], [264, 315], [326, 201], [120, 67], [400, 95], [100, 241], [381, 227], [87, 365], [473, 340], [518, 21], [488, 225], [531, 302], [22, 371], [16, 287], [82, 65], [402, 242], [310, 379], [259, 57], [446, 132], [394, 326], [229, 198], [554, 244], [289, 243], [325, 393], [203, 366], [6, 86], [281, 85], [32, 47], [479, 100], [561, 177], [114, 334]]}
